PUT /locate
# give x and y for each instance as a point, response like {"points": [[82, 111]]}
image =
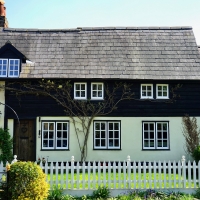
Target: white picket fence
{"points": [[123, 175]]}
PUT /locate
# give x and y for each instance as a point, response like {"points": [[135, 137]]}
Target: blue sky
{"points": [[61, 14]]}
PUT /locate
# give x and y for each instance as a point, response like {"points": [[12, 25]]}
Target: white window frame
{"points": [[9, 70], [80, 83], [155, 132], [97, 90], [146, 97], [107, 138], [162, 97], [6, 67], [55, 132]]}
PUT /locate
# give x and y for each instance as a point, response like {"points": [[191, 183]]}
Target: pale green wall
{"points": [[131, 141]]}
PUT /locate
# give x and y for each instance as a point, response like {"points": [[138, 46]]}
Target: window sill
{"points": [[54, 150], [155, 149], [107, 149]]}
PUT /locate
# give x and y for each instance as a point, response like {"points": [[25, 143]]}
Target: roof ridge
{"points": [[78, 29]]}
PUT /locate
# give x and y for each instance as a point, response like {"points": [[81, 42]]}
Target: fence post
{"points": [[72, 172], [15, 159], [183, 171], [129, 171]]}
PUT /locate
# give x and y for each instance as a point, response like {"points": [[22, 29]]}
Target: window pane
{"points": [[146, 135], [164, 143], [103, 134], [77, 86], [64, 134], [50, 143], [100, 94], [103, 142], [116, 126], [151, 127], [146, 143], [151, 143], [97, 143], [110, 134], [59, 134], [145, 126], [110, 143], [59, 126], [143, 88], [97, 134], [159, 87], [152, 135], [110, 126], [159, 143], [165, 88], [116, 143], [116, 134], [82, 86], [45, 143], [103, 126], [97, 126], [94, 87], [64, 143], [94, 94], [99, 87], [58, 143], [82, 93], [77, 94], [51, 135], [149, 88]]}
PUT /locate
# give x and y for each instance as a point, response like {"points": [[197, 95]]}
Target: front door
{"points": [[24, 140]]}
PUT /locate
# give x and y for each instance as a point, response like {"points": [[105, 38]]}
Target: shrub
{"points": [[56, 194], [196, 154], [101, 193], [26, 180], [6, 146]]}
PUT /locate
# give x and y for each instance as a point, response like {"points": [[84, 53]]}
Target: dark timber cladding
{"points": [[29, 107]]}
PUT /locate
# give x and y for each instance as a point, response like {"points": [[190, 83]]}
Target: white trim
{"points": [[80, 83], [4, 70], [97, 83], [162, 97], [43, 147], [155, 135], [146, 97], [55, 122], [56, 138], [13, 69], [107, 147]]}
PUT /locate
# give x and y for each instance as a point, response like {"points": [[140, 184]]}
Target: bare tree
{"points": [[191, 133], [81, 112]]}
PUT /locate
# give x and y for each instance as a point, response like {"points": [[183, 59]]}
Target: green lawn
{"points": [[75, 181]]}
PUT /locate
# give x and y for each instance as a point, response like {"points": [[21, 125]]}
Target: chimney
{"points": [[3, 19]]}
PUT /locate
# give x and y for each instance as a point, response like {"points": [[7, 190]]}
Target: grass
{"points": [[140, 181]]}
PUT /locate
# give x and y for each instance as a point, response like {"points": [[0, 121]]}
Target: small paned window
{"points": [[146, 91], [13, 68], [55, 135], [162, 91], [9, 67], [155, 135], [107, 135], [3, 67], [80, 91], [96, 90]]}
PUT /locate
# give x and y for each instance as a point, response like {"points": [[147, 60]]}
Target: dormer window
{"points": [[9, 67]]}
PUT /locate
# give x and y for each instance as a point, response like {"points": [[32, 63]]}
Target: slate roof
{"points": [[105, 53]]}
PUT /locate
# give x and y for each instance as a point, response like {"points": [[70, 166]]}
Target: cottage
{"points": [[153, 60]]}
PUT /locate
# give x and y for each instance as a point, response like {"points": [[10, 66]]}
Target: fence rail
{"points": [[123, 175]]}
